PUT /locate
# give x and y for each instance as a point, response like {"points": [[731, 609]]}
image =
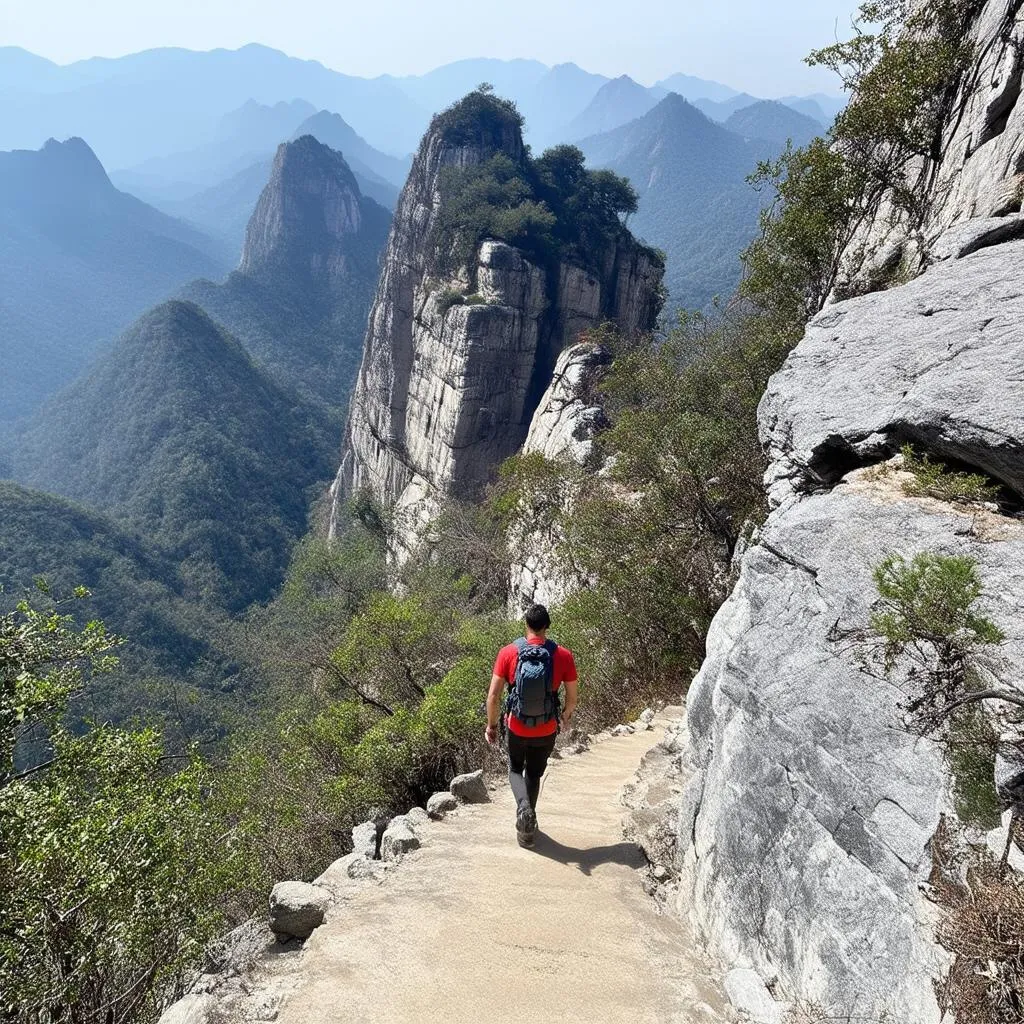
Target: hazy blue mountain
{"points": [[819, 105], [22, 71], [722, 110], [554, 100], [441, 87], [302, 291], [242, 137], [79, 260], [775, 123], [365, 161], [222, 206], [617, 102], [692, 88], [166, 101], [695, 203], [178, 432]]}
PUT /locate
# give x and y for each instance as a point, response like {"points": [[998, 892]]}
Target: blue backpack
{"points": [[531, 695]]}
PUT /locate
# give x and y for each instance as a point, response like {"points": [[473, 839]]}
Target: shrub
{"points": [[935, 480], [115, 870]]}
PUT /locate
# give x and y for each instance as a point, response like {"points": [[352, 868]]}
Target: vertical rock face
{"points": [[803, 834], [980, 179], [306, 217], [455, 363]]}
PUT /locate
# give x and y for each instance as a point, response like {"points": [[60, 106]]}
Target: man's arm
{"points": [[494, 707], [571, 696]]}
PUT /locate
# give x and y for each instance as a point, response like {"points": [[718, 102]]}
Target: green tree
{"points": [[114, 869]]}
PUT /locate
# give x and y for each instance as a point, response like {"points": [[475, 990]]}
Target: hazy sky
{"points": [[757, 45]]}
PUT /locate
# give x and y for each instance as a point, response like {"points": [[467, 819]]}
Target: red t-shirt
{"points": [[563, 671]]}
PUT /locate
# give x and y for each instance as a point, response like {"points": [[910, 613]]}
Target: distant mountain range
{"points": [[79, 261], [162, 102], [695, 202]]}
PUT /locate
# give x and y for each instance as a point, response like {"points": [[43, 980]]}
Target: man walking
{"points": [[533, 670]]}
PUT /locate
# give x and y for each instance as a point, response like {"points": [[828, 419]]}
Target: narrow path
{"points": [[473, 929]]}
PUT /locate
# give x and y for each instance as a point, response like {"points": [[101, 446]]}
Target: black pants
{"points": [[527, 761]]}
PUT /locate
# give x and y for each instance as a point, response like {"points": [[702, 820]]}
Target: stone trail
{"points": [[472, 928]]}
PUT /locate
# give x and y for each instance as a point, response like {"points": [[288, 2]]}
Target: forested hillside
{"points": [[79, 260]]}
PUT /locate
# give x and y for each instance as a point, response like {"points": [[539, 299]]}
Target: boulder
{"points": [[398, 840], [470, 788], [416, 817], [623, 730], [190, 1009], [297, 909], [935, 362], [364, 840], [440, 804]]}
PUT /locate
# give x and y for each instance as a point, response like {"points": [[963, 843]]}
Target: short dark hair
{"points": [[537, 617]]}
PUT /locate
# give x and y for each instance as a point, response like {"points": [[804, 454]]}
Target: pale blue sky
{"points": [[756, 45]]}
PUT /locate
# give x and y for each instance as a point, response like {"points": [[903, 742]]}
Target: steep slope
{"points": [[176, 431], [617, 102], [805, 836], [299, 298], [135, 591], [169, 100], [368, 164], [695, 202], [462, 339], [78, 261], [774, 123]]}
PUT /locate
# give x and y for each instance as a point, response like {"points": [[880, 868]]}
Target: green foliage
{"points": [[480, 119], [551, 207], [815, 205], [935, 480], [971, 753], [114, 871], [929, 608]]}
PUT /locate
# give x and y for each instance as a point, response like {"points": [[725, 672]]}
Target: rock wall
{"points": [[981, 174], [455, 364], [803, 838], [563, 429]]}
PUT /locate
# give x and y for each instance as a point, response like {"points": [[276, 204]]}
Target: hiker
{"points": [[533, 670]]}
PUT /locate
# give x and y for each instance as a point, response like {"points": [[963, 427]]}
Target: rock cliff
{"points": [[299, 298], [802, 838], [458, 353]]}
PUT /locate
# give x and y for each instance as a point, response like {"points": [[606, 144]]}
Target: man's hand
{"points": [[491, 734], [566, 722]]}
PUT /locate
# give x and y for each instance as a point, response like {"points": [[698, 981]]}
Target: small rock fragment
{"points": [[440, 804], [623, 730], [470, 788]]}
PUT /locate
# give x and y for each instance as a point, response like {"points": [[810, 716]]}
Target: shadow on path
{"points": [[628, 854]]}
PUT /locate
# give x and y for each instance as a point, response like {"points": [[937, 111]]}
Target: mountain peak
{"points": [[482, 122], [308, 210]]}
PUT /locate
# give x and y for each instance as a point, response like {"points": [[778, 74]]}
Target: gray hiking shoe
{"points": [[526, 826]]}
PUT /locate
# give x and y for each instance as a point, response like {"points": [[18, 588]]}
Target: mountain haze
{"points": [[774, 123], [695, 202], [616, 103], [79, 260], [299, 298], [178, 433]]}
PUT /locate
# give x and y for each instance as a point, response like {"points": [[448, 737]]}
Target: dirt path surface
{"points": [[472, 928]]}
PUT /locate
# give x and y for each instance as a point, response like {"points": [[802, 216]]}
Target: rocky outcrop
{"points": [[299, 298], [981, 173], [456, 361], [803, 829], [563, 430]]}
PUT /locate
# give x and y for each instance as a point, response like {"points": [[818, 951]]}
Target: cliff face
{"points": [[979, 181], [299, 298], [802, 837], [455, 362]]}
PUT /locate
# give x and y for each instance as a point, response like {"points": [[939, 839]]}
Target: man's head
{"points": [[537, 619]]}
